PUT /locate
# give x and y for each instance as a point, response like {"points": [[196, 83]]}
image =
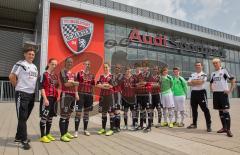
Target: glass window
{"points": [[233, 69], [185, 66], [231, 55], [109, 28], [206, 66], [152, 55], [108, 36], [142, 54], [161, 59], [236, 56], [227, 54], [108, 55], [227, 65], [132, 54], [121, 31], [178, 61], [192, 64], [237, 75], [170, 62]]}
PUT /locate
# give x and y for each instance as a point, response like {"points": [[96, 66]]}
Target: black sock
{"points": [[228, 119], [159, 116], [48, 125], [66, 125], [62, 126], [104, 122], [142, 118], [85, 121], [223, 121], [118, 120], [42, 126], [111, 122], [125, 119], [77, 122], [150, 119]]}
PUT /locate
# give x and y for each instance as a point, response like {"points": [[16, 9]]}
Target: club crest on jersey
{"points": [[77, 33]]}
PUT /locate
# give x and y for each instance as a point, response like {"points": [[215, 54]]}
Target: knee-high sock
{"points": [[170, 111], [142, 117], [176, 116], [134, 118], [165, 114], [48, 125], [104, 120], [62, 122], [111, 122], [150, 118], [43, 126], [182, 113], [85, 120], [223, 121], [125, 117], [77, 122], [67, 124], [159, 115], [228, 119], [117, 120]]}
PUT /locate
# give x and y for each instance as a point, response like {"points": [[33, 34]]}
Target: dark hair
{"points": [[49, 61], [198, 62], [176, 68], [127, 68], [29, 49], [67, 59], [163, 69], [105, 63]]}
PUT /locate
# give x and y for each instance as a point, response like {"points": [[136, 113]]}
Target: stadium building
{"points": [[107, 31]]}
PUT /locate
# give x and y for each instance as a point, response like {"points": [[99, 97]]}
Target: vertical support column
{"points": [[1, 99], [45, 31]]}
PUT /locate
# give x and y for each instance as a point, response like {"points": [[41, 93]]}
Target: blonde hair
{"points": [[216, 60]]}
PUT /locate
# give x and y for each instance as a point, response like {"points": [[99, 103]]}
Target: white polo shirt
{"points": [[27, 75], [198, 76], [219, 80]]}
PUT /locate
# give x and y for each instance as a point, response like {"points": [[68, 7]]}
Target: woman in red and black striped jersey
{"points": [[117, 80], [143, 97], [85, 91], [67, 98], [105, 83], [128, 97], [155, 93], [49, 95]]}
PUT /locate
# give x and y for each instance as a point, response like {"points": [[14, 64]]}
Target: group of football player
{"points": [[139, 91]]}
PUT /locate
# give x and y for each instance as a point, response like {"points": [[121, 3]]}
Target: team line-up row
{"points": [[141, 92]]}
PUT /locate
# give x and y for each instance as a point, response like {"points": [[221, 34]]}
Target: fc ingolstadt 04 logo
{"points": [[77, 33]]}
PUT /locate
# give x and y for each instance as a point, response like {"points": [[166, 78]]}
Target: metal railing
{"points": [[7, 92]]}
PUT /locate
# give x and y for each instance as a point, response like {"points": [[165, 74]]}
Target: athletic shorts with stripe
{"points": [[85, 102], [50, 110], [106, 104], [167, 100], [179, 102], [67, 102], [156, 102], [220, 100], [129, 102]]}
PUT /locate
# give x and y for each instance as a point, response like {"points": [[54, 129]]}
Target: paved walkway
{"points": [[159, 141]]}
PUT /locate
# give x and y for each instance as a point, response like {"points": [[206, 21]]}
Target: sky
{"points": [[222, 15]]}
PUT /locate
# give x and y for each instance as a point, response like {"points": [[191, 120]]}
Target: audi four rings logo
{"points": [[77, 33]]}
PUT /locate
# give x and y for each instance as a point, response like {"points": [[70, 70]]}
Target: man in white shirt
{"points": [[23, 77], [220, 89], [199, 96]]}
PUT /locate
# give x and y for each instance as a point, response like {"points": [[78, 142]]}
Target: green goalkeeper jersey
{"points": [[166, 84], [179, 86]]}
